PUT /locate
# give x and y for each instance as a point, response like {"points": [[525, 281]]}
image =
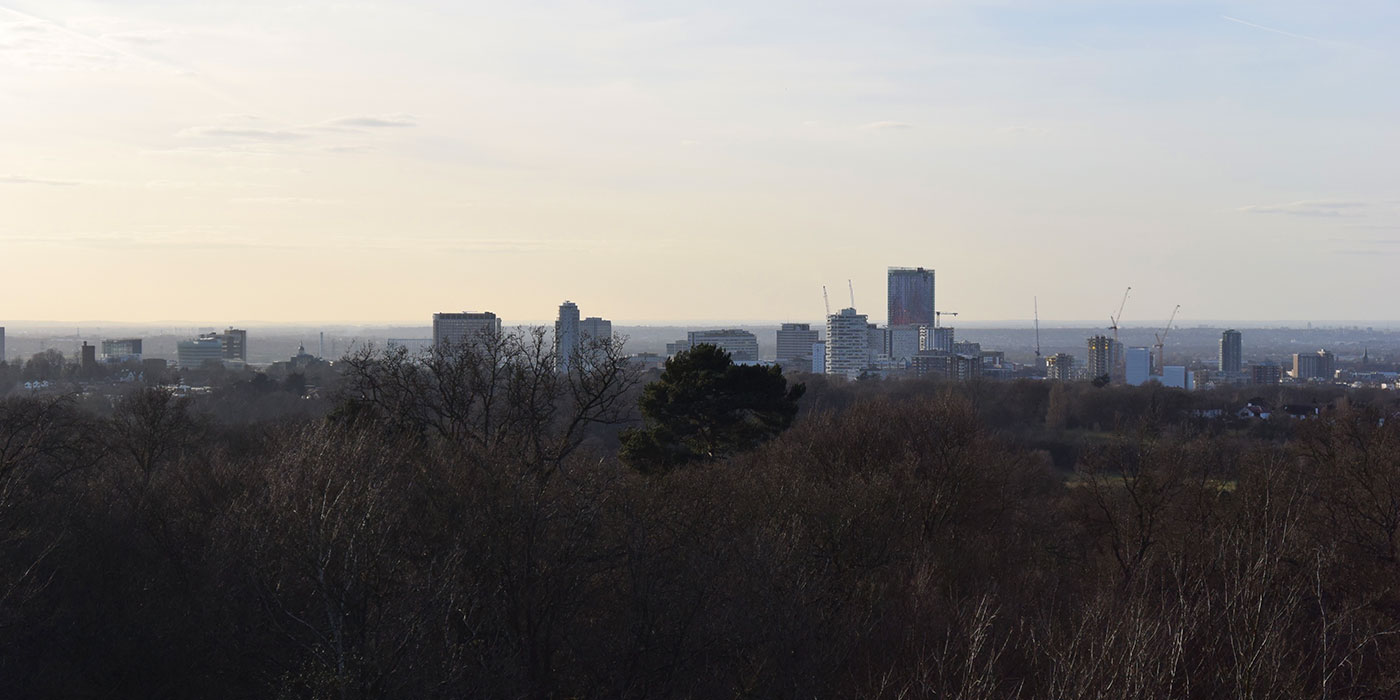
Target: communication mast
{"points": [[1036, 301]]}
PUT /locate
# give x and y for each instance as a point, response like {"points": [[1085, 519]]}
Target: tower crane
{"points": [[853, 293], [826, 300], [1115, 319], [1162, 337], [938, 315]]}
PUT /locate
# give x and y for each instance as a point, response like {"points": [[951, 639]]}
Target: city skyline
{"points": [[1205, 153]]}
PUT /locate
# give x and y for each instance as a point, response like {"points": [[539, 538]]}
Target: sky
{"points": [[374, 162]]}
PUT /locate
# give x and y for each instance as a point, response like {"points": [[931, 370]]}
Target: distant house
{"points": [[1300, 412], [1253, 411]]}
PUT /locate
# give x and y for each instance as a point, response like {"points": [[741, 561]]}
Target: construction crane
{"points": [[1036, 301], [1162, 337], [853, 293], [826, 300], [938, 315], [1113, 320]]}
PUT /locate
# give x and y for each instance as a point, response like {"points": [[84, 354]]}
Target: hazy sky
{"points": [[377, 161]]}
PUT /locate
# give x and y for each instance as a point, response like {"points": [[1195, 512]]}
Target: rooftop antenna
{"points": [[1036, 301], [853, 293]]}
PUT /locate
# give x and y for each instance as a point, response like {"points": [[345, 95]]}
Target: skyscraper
{"points": [[795, 345], [2, 343], [1231, 352], [566, 335], [910, 296], [467, 326], [847, 343]]}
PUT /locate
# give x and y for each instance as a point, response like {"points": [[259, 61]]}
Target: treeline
{"points": [[460, 526]]}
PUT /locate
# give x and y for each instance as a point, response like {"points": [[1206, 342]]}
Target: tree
{"points": [[498, 395], [705, 407]]}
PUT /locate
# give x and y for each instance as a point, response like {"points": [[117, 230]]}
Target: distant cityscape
{"points": [[916, 341]]}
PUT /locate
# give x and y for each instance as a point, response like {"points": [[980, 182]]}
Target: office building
{"points": [[936, 339], [1321, 365], [948, 365], [676, 347], [1177, 377], [566, 338], [194, 354], [1266, 373], [876, 343], [741, 345], [594, 328], [967, 348], [902, 342], [121, 350], [467, 326], [234, 342], [795, 342], [1231, 352], [910, 297], [1060, 367], [847, 343], [819, 357], [1139, 366]]}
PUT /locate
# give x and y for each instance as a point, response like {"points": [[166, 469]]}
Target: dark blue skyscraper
{"points": [[910, 296]]}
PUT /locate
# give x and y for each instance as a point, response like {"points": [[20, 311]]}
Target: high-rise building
{"points": [[1266, 373], [910, 296], [741, 345], [1322, 365], [2, 343], [902, 342], [936, 339], [122, 350], [235, 344], [467, 326], [819, 357], [847, 343], [89, 355], [795, 344], [595, 328], [1231, 352], [566, 337], [1139, 366], [1100, 359], [1060, 367]]}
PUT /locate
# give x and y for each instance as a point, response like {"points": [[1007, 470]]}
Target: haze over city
{"points": [[377, 162]]}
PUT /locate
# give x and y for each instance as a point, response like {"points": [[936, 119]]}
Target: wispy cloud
{"points": [[1310, 207], [375, 122], [886, 126], [1281, 32], [22, 180], [243, 133]]}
